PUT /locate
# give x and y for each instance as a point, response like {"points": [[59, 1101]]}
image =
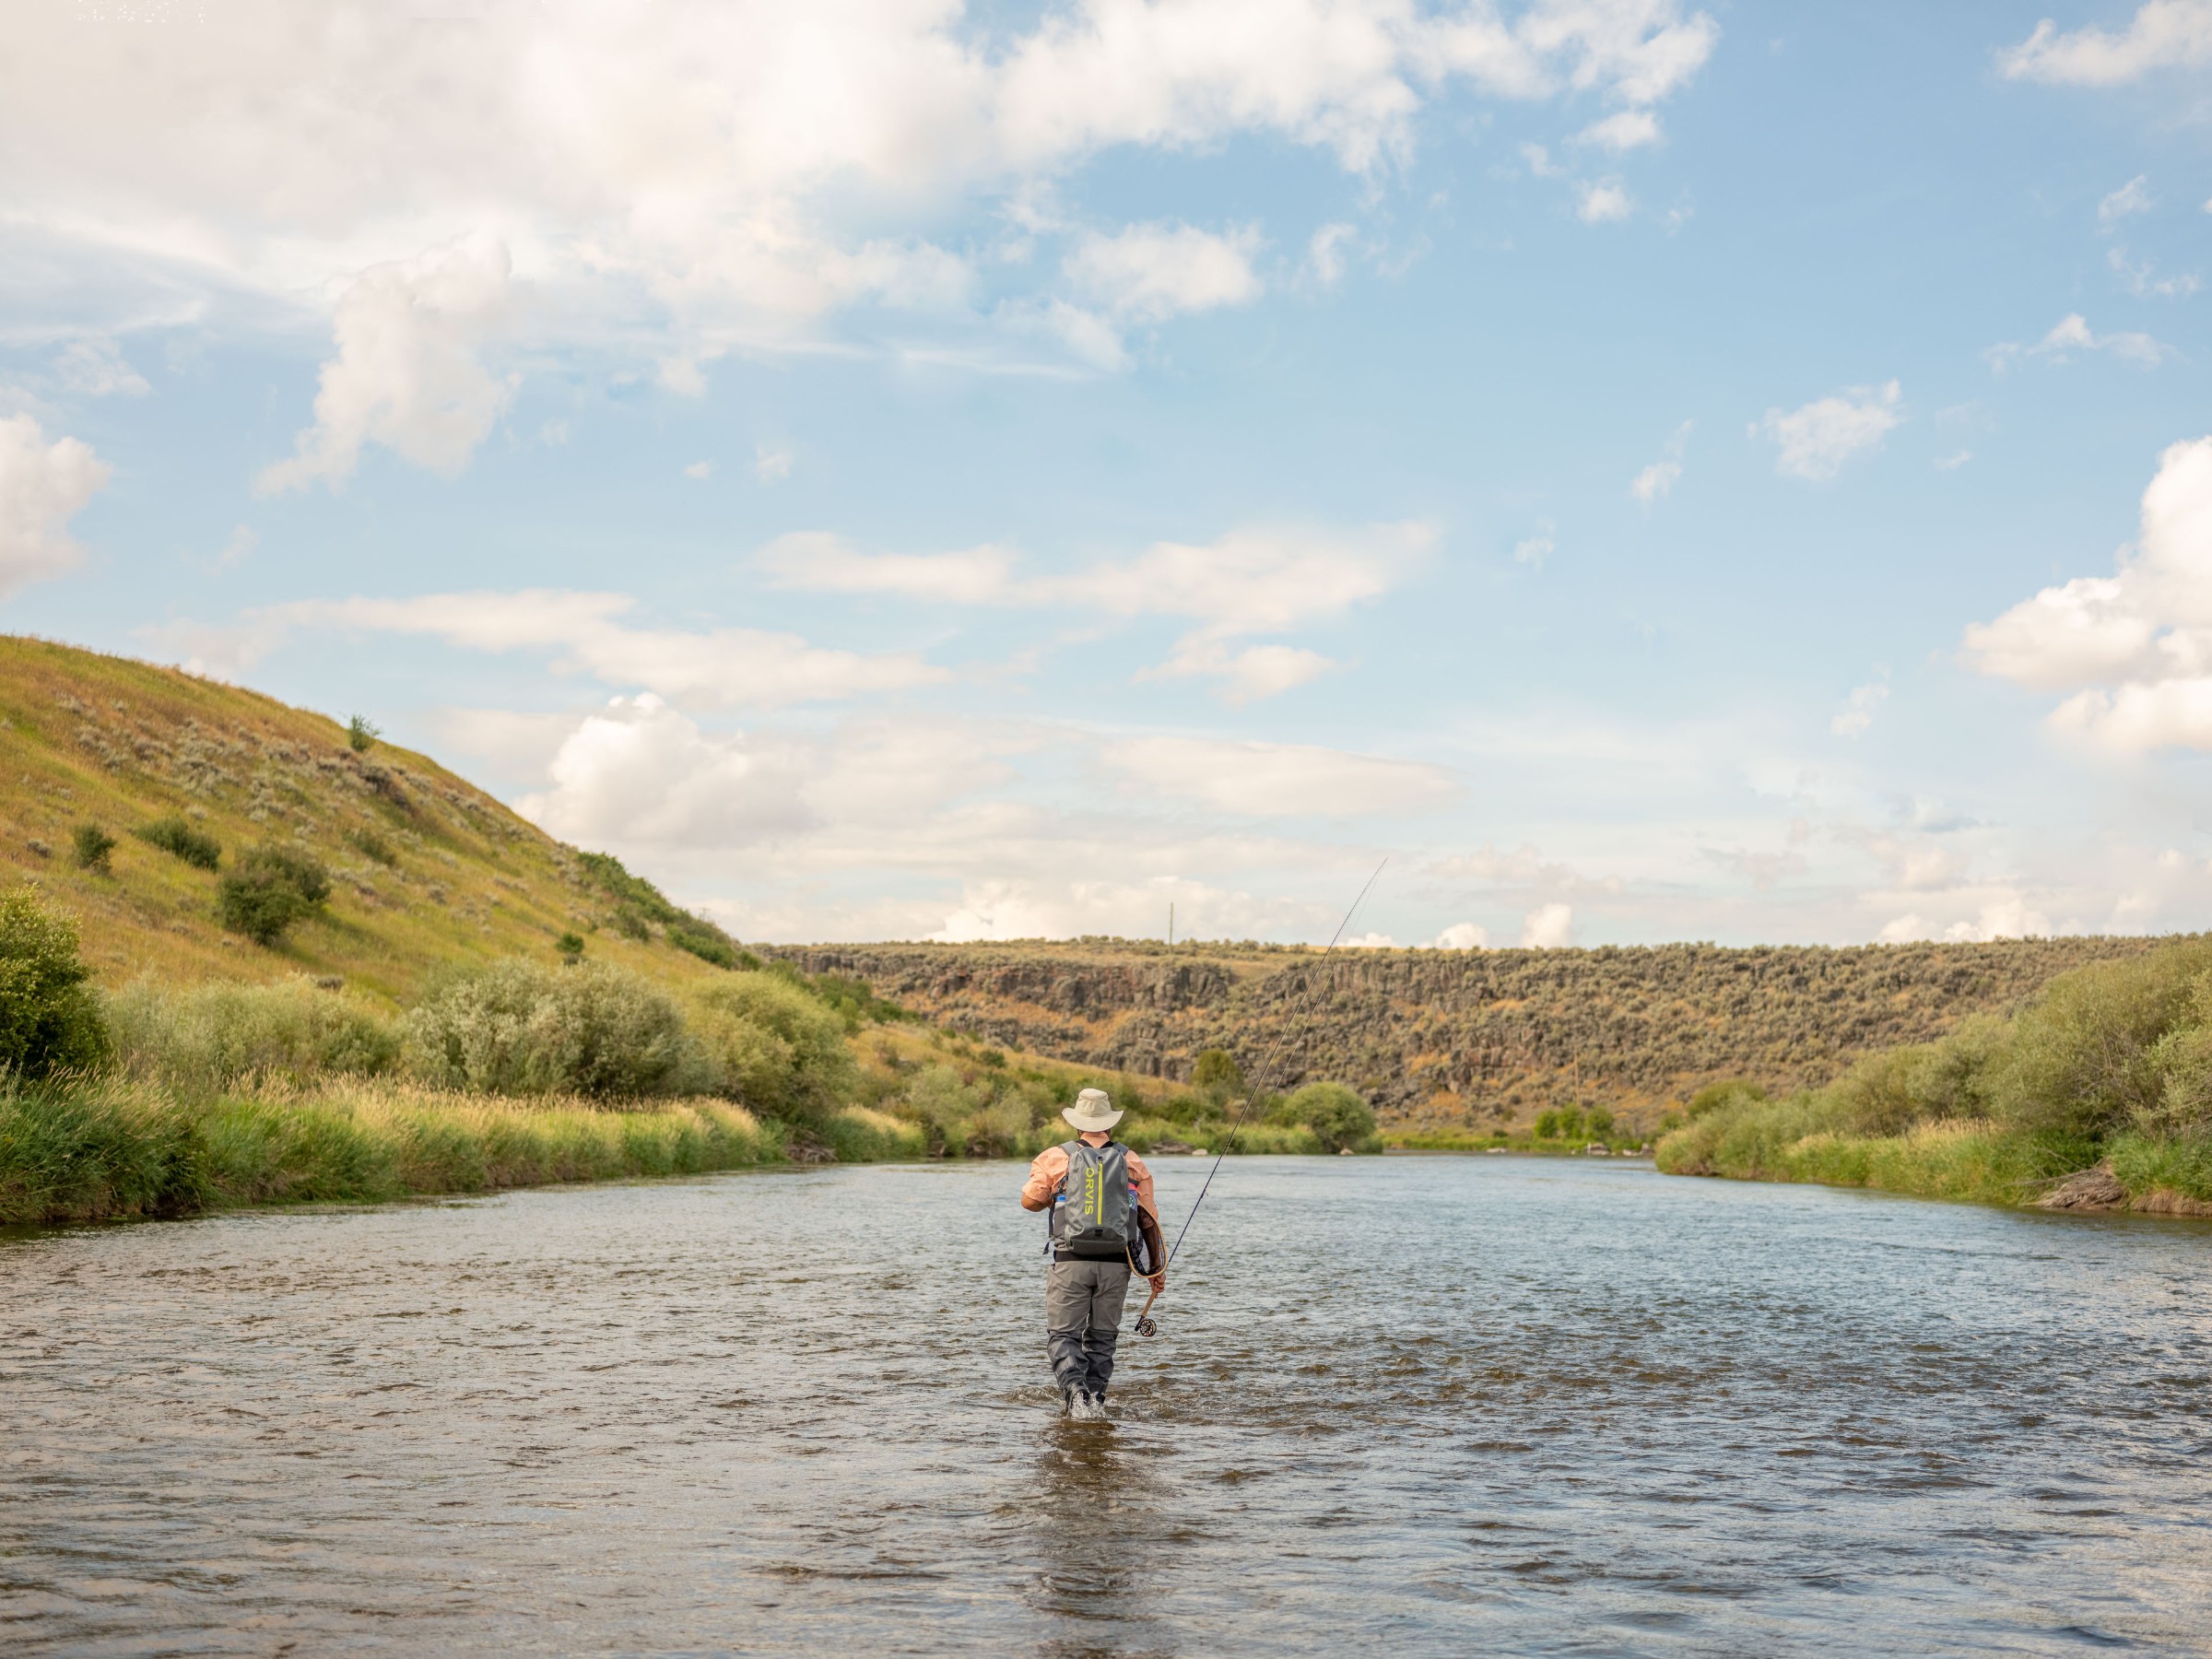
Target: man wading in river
{"points": [[1105, 1224]]}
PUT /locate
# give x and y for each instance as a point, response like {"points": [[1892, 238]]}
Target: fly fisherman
{"points": [[1104, 1225]]}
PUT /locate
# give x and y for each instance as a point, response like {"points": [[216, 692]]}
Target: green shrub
{"points": [[1715, 1097], [49, 1019], [937, 1098], [1337, 1116], [517, 1027], [1548, 1124], [776, 1047], [2084, 1057], [272, 887], [705, 943], [361, 734], [180, 840], [568, 948], [91, 845], [201, 1040]]}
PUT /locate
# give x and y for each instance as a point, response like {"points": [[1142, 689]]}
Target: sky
{"points": [[894, 469]]}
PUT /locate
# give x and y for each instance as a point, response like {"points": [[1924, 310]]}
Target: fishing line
{"points": [[1255, 1091]]}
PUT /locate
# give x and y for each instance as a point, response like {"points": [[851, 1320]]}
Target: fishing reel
{"points": [[1146, 1327]]}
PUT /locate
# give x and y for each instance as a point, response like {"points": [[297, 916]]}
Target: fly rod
{"points": [[1144, 1327]]}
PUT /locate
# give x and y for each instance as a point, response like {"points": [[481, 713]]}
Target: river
{"points": [[1415, 1405]]}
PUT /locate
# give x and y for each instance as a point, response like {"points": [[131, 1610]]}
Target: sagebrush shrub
{"points": [[49, 1018], [519, 1027]]}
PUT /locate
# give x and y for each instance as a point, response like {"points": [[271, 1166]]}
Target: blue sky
{"points": [[890, 470]]}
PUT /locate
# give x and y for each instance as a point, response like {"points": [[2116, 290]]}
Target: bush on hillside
{"points": [[517, 1027], [49, 1019], [91, 845], [180, 840], [1337, 1116], [776, 1047], [206, 1039], [272, 887]]}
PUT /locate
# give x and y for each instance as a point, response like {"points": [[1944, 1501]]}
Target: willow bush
{"points": [[49, 1015], [2109, 1062]]}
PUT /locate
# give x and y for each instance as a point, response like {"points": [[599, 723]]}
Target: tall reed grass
{"points": [[106, 1147]]}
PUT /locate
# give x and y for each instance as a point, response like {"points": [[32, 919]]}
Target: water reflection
{"points": [[1473, 1406]]}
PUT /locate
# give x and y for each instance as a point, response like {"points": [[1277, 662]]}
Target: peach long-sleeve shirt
{"points": [[1049, 1168]]}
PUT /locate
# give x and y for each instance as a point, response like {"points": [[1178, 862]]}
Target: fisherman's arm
{"points": [[1047, 1170]]}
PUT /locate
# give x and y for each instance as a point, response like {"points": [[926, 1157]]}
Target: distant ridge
{"points": [[428, 871], [1478, 1038]]}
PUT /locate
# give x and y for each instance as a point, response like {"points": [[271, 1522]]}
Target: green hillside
{"points": [[425, 869]]}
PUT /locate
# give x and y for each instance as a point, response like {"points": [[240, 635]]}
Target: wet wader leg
{"points": [[1110, 1293], [1066, 1314]]}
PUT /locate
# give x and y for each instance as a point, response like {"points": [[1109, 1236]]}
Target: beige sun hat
{"points": [[1092, 1110]]}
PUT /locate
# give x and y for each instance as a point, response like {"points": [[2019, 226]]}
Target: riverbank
{"points": [[1973, 1162], [112, 1148]]}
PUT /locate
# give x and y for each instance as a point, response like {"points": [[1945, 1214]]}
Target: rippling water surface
{"points": [[1419, 1404]]}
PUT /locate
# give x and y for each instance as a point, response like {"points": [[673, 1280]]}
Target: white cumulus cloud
{"points": [[2134, 649], [1148, 274], [1548, 927], [42, 486], [1461, 935], [641, 774], [2163, 34], [1813, 441], [707, 175], [1603, 204], [406, 374]]}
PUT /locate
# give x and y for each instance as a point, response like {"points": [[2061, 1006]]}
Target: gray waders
{"points": [[1093, 1225]]}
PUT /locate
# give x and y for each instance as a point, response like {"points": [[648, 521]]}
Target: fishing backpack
{"points": [[1093, 1218]]}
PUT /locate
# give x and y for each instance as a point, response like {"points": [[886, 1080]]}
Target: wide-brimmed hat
{"points": [[1092, 1110]]}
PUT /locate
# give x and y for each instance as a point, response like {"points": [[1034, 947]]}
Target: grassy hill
{"points": [[425, 869]]}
